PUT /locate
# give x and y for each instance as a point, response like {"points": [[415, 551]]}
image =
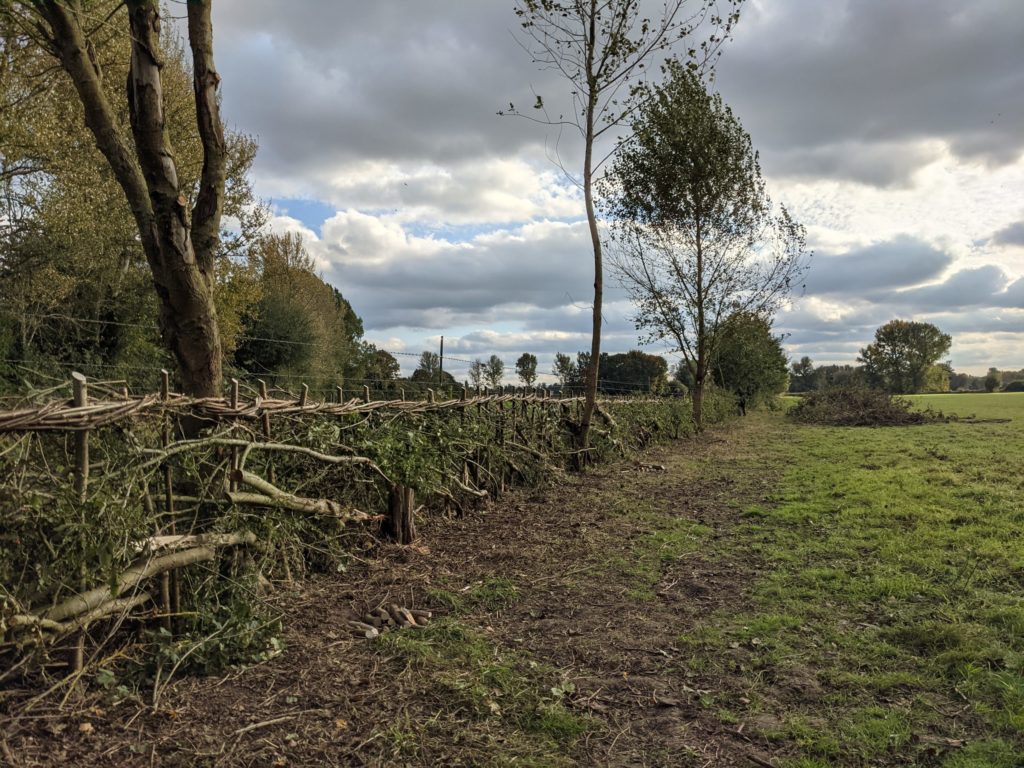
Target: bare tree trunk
{"points": [[180, 259], [399, 525], [590, 399], [698, 404]]}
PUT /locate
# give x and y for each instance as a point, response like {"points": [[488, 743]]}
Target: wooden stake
{"points": [[80, 395], [400, 526]]}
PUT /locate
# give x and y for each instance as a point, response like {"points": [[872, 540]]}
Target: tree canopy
{"points": [[602, 48], [526, 368], [696, 237], [902, 354], [750, 361]]}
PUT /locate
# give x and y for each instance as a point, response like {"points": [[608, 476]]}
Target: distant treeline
{"points": [[804, 376]]}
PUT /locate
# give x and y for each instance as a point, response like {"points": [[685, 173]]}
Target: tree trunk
{"points": [[698, 404], [399, 525], [590, 399], [181, 260], [182, 274]]}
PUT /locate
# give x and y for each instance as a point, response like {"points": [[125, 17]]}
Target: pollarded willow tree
{"points": [[180, 236], [696, 238], [603, 48]]}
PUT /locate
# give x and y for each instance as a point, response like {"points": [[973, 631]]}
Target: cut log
{"points": [[402, 617], [367, 631]]}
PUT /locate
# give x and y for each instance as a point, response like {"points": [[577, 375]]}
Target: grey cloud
{"points": [[1007, 321], [1010, 235], [903, 261], [1013, 296], [325, 83], [965, 288], [469, 283], [827, 78], [881, 164]]}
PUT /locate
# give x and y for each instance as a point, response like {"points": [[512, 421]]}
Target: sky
{"points": [[894, 131]]}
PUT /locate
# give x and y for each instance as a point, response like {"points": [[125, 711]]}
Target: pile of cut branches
{"points": [[861, 407]]}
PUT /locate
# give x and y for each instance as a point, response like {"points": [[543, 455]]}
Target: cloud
{"points": [[821, 85], [1012, 234], [894, 131], [398, 279], [902, 261], [965, 288]]}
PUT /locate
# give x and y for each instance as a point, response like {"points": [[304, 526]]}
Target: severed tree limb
{"points": [[143, 569], [117, 606], [160, 455], [157, 543], [473, 491], [271, 496]]}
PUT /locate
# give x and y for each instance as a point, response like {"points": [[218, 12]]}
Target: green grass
{"points": [[492, 594], [493, 702], [895, 579]]}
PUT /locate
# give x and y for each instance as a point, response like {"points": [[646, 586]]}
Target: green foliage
{"points": [[695, 236], [633, 371], [76, 285], [750, 361], [526, 368], [301, 327], [802, 375], [494, 371], [903, 354]]}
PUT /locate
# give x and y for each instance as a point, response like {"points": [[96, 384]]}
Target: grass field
{"points": [[894, 591]]}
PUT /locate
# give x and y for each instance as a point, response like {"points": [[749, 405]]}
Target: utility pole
{"points": [[440, 365]]}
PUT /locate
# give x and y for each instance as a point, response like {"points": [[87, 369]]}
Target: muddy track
{"points": [[605, 572]]}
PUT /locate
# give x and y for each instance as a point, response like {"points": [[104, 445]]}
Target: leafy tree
{"points": [[802, 375], [565, 370], [634, 371], [937, 377], [902, 353], [602, 47], [429, 367], [992, 380], [526, 368], [750, 361], [379, 365], [179, 234], [76, 285], [839, 376], [301, 326], [696, 238], [494, 371], [476, 372]]}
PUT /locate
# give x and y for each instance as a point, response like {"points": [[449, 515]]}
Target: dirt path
{"points": [[558, 640]]}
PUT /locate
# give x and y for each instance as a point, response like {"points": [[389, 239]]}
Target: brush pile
{"points": [[861, 407]]}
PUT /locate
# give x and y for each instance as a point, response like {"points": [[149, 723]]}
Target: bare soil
{"points": [[604, 581]]}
